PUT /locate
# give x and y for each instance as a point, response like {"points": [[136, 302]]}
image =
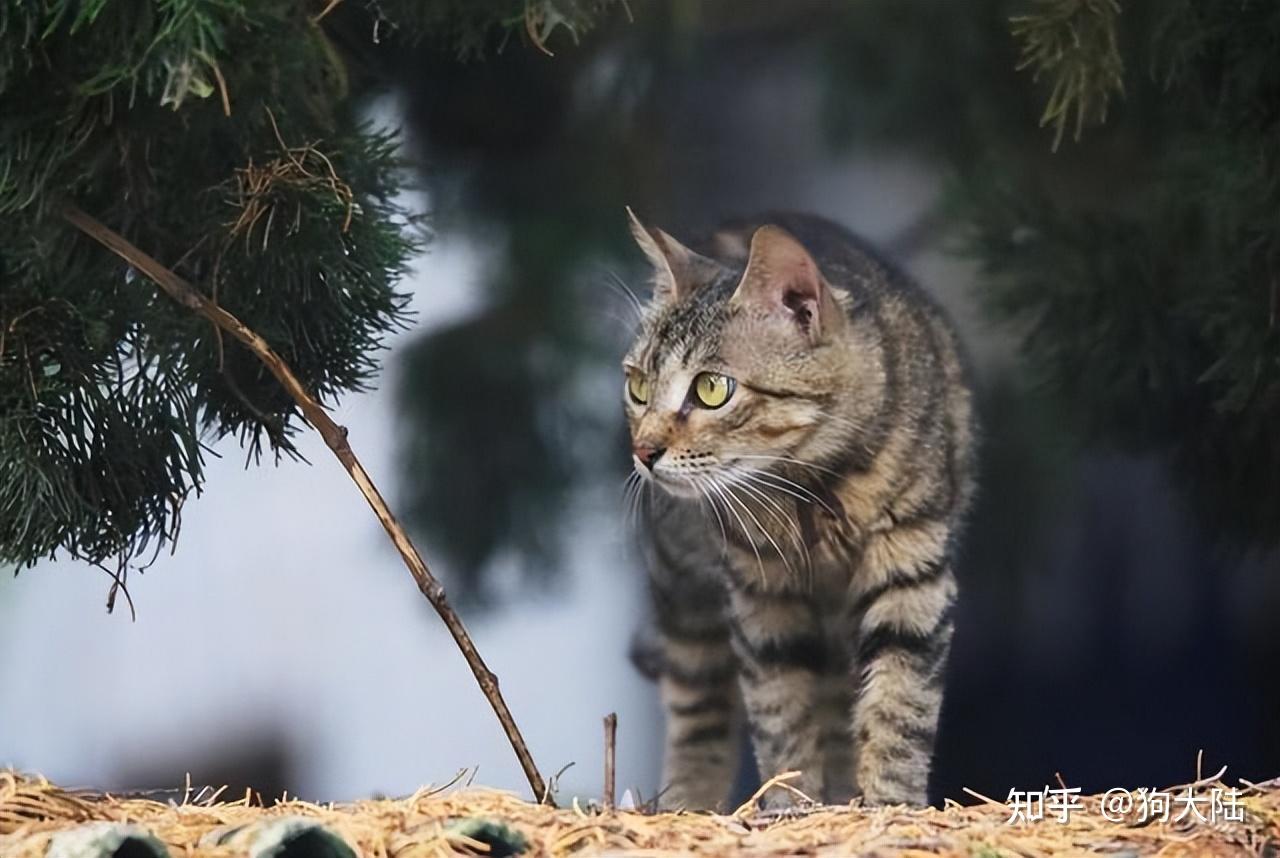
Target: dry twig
{"points": [[420, 825], [610, 754], [335, 437]]}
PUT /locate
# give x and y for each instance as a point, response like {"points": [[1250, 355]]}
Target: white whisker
{"points": [[633, 487], [806, 494], [720, 490], [760, 527], [618, 285], [700, 485], [795, 490], [791, 461], [779, 515]]}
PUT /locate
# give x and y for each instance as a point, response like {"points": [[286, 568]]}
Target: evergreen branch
{"points": [[335, 437], [475, 28], [1073, 43]]}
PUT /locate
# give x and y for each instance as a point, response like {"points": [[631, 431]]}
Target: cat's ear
{"points": [[782, 279], [677, 270]]}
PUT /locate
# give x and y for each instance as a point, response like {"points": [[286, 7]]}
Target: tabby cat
{"points": [[803, 410]]}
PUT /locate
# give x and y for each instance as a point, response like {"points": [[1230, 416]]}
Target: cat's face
{"points": [[731, 370]]}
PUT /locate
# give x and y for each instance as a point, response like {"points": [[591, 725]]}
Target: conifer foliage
{"points": [[223, 138], [1133, 246], [1153, 305]]}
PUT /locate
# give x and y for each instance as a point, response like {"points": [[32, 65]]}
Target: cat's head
{"points": [[735, 368]]}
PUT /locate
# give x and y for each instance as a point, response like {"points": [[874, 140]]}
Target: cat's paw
{"points": [[690, 797], [793, 794], [886, 794]]}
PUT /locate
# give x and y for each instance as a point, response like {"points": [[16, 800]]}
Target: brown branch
{"points": [[610, 764], [335, 437]]}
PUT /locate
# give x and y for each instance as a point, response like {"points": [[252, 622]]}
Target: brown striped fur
{"points": [[803, 534]]}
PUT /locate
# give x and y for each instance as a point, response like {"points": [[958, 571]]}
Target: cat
{"points": [[804, 413]]}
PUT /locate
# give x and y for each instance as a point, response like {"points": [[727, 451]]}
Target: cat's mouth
{"points": [[674, 484], [682, 479], [671, 478]]}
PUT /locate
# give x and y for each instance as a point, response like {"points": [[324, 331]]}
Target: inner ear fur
{"points": [[783, 279]]}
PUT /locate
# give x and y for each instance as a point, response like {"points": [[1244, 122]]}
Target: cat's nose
{"points": [[647, 454]]}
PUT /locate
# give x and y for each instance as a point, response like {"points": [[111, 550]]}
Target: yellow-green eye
{"points": [[713, 389], [638, 388]]}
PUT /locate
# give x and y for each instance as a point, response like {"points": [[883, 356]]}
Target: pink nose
{"points": [[648, 454]]}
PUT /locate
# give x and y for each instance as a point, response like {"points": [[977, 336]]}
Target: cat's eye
{"points": [[638, 388], [713, 389]]}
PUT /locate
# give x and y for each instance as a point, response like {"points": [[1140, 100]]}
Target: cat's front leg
{"points": [[902, 614], [782, 655], [697, 675], [701, 747]]}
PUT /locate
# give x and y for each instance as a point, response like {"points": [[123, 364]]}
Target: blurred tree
{"points": [[492, 414], [222, 137], [1130, 242], [536, 159], [1137, 263]]}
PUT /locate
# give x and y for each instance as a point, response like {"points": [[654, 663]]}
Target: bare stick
{"points": [[610, 755], [779, 779], [335, 437]]}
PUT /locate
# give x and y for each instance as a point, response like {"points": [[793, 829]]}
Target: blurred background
{"points": [[1119, 580]]}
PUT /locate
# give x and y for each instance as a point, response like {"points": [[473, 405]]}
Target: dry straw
{"points": [[442, 822]]}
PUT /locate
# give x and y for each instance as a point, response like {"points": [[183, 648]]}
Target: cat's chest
{"points": [[817, 552], [833, 542]]}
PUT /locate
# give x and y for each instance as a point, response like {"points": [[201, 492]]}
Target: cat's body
{"points": [[805, 523]]}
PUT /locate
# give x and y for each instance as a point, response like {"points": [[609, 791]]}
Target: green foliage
{"points": [[1072, 42], [950, 96], [468, 27], [1137, 268], [1155, 315], [493, 404], [219, 136], [1121, 261]]}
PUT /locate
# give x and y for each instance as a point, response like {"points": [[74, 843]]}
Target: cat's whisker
{"points": [[777, 507], [617, 280], [700, 485], [629, 501], [791, 461], [760, 527], [624, 323], [720, 489], [806, 494], [635, 495], [646, 497], [618, 285], [788, 487], [779, 515]]}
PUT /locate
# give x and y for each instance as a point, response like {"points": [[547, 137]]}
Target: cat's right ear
{"points": [[677, 270], [783, 280]]}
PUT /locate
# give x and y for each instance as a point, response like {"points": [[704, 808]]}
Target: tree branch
{"points": [[335, 437]]}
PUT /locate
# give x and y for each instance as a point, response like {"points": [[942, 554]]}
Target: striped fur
{"points": [[802, 541]]}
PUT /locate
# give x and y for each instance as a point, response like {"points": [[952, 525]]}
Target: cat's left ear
{"points": [[677, 270], [782, 279]]}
